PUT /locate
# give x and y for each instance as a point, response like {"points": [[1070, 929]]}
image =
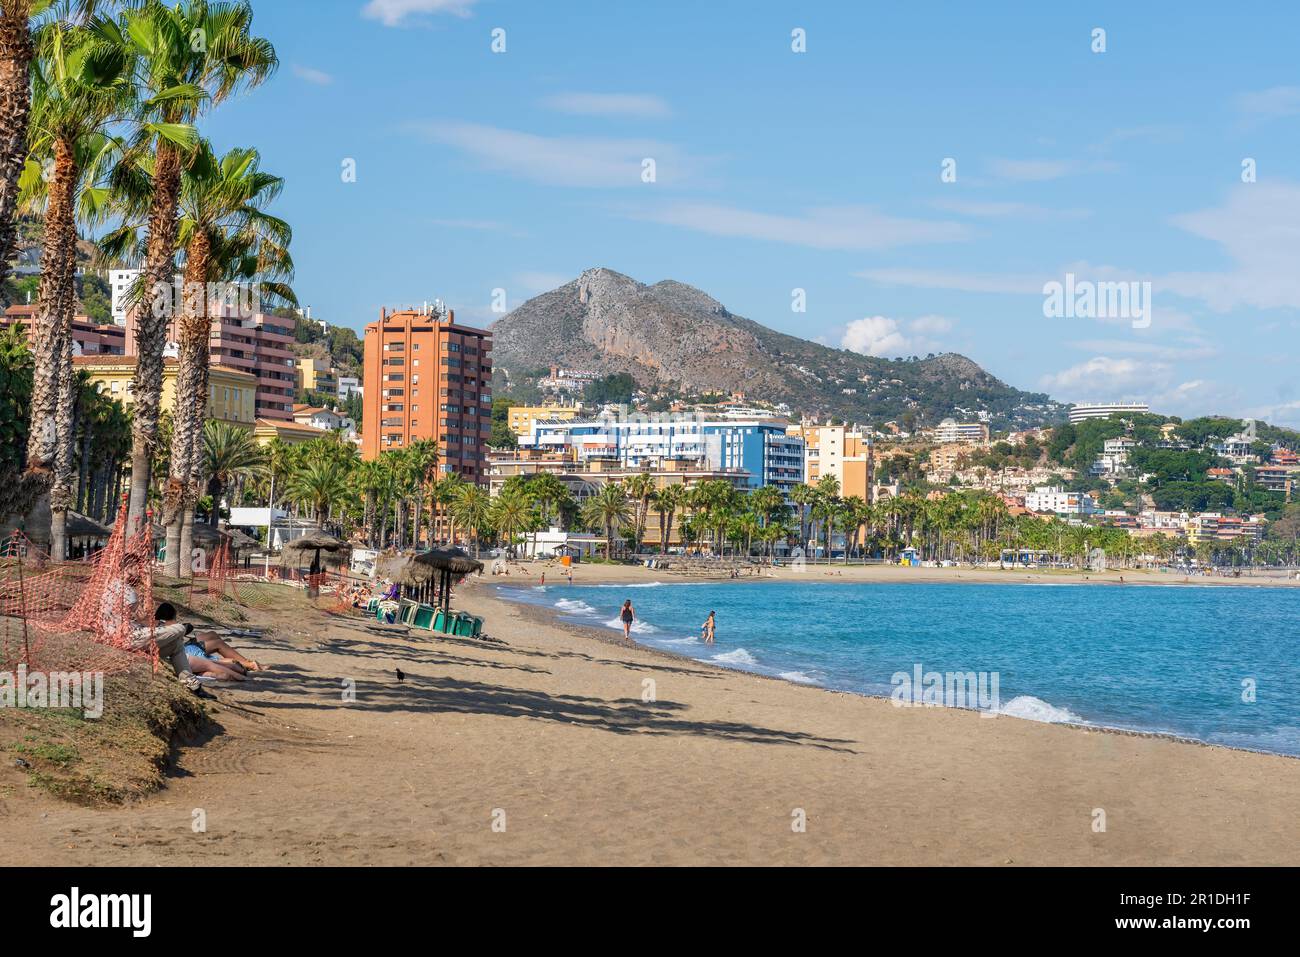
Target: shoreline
{"points": [[554, 617], [529, 571]]}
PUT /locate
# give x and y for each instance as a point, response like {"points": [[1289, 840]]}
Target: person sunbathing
{"points": [[208, 654], [120, 614]]}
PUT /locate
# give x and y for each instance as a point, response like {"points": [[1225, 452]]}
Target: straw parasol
{"points": [[417, 571], [314, 544]]}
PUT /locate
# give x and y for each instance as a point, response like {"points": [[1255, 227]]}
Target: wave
{"points": [[1036, 709], [738, 657], [798, 677], [679, 641], [631, 585], [574, 607], [638, 627]]}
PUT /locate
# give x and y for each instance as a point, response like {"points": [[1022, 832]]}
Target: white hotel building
{"points": [[1096, 410]]}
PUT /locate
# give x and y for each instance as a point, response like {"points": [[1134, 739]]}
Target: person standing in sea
{"points": [[628, 614], [707, 629]]}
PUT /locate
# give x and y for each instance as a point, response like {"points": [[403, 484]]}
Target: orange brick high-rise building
{"points": [[427, 377]]}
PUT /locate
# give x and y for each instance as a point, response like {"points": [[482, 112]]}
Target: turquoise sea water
{"points": [[1167, 659]]}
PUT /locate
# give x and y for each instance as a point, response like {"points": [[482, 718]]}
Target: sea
{"points": [[1218, 664]]}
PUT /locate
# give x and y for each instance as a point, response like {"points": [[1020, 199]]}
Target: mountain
{"points": [[673, 335]]}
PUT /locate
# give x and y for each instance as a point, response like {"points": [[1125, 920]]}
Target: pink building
{"points": [[259, 344]]}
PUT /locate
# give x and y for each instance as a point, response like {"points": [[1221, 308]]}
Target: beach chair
{"points": [[423, 617]]}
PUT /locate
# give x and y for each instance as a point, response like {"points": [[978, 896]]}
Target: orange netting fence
{"points": [[94, 614]]}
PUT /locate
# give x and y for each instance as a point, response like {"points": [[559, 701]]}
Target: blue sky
{"points": [[820, 170]]}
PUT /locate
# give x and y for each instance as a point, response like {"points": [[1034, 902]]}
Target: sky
{"points": [[915, 176]]}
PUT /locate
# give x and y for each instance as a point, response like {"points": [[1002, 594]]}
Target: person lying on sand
{"points": [[119, 609], [208, 654]]}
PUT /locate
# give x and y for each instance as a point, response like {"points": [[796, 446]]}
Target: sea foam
{"points": [[1036, 709]]}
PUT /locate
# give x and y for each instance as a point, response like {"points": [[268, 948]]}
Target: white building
{"points": [[120, 282], [950, 430], [1059, 502], [349, 385], [1114, 456], [1098, 410]]}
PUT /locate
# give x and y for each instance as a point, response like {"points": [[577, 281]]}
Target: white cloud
{"points": [[1037, 170], [311, 75], [961, 282], [533, 282], [932, 325], [394, 13], [1275, 101], [992, 209], [874, 336], [885, 338], [588, 162], [1107, 378], [1256, 227], [608, 104], [827, 227]]}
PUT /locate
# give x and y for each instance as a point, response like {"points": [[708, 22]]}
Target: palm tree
{"points": [[803, 496], [79, 85], [826, 504], [320, 485], [177, 78], [230, 454], [608, 509], [471, 509], [369, 477], [17, 51], [423, 456], [445, 491], [666, 502], [512, 512], [549, 495], [639, 489]]}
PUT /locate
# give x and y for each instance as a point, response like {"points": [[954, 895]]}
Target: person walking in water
{"points": [[628, 614], [707, 629]]}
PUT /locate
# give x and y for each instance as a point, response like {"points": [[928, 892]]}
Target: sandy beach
{"points": [[540, 747]]}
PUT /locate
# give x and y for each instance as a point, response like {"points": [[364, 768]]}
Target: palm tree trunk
{"points": [[152, 320], [15, 104], [189, 409], [49, 452]]}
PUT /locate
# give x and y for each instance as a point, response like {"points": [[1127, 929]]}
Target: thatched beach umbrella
{"points": [[419, 570], [314, 544]]}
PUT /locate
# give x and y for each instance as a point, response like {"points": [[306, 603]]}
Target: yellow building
{"points": [[840, 451], [291, 433], [522, 417], [232, 392], [317, 375]]}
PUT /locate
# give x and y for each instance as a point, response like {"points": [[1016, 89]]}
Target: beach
{"points": [[555, 744]]}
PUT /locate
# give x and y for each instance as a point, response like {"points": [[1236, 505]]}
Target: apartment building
{"points": [[843, 452], [231, 392], [586, 477], [950, 430], [1056, 501], [317, 375], [520, 418], [259, 344], [1104, 410], [1216, 527], [88, 337], [428, 378], [761, 449]]}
